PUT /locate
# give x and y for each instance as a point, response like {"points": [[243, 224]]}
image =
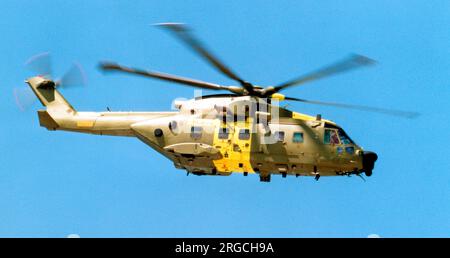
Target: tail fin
{"points": [[47, 94], [57, 107]]}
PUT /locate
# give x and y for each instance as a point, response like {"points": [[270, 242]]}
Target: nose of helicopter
{"points": [[369, 159]]}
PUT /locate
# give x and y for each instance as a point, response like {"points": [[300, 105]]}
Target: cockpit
{"points": [[335, 135]]}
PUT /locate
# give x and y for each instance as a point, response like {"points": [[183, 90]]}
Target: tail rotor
{"points": [[41, 66]]}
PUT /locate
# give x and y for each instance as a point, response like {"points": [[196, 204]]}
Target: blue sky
{"points": [[57, 183]]}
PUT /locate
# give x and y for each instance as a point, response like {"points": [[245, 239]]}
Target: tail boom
{"points": [[60, 115]]}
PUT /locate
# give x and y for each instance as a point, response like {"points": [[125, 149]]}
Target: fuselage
{"points": [[225, 134]]}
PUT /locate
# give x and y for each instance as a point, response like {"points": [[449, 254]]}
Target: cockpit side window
{"points": [[331, 136], [344, 138], [337, 132]]}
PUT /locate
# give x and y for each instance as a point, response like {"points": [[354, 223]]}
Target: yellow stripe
{"points": [[300, 116], [85, 123]]}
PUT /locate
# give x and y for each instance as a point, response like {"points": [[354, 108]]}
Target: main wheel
{"points": [[368, 172]]}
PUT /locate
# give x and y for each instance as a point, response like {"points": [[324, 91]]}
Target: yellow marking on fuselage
{"points": [[235, 152], [300, 116], [278, 96], [85, 124]]}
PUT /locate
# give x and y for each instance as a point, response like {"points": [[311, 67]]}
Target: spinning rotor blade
{"points": [[24, 97], [354, 61], [183, 33], [162, 76], [40, 64], [391, 112], [75, 76]]}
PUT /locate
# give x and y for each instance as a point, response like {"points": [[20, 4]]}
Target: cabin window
{"points": [[279, 136], [196, 132], [331, 137], [297, 137], [223, 133], [173, 126], [244, 134]]}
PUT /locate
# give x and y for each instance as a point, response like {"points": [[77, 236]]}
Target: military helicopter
{"points": [[244, 131]]}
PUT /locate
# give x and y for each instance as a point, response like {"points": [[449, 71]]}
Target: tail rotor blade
{"points": [[40, 64], [24, 97], [74, 77]]}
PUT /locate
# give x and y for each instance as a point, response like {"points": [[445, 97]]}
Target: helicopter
{"points": [[243, 131]]}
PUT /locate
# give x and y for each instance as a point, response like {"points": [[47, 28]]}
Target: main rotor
{"points": [[246, 88]]}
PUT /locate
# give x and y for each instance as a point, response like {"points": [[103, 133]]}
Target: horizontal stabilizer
{"points": [[45, 120]]}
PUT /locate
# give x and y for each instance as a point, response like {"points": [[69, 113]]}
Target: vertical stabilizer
{"points": [[47, 94]]}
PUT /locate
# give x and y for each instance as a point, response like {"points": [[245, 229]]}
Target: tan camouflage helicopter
{"points": [[245, 131]]}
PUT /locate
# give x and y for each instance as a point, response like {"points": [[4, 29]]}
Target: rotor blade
{"points": [[391, 112], [183, 33], [24, 97], [354, 61], [74, 77], [162, 76], [40, 64]]}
